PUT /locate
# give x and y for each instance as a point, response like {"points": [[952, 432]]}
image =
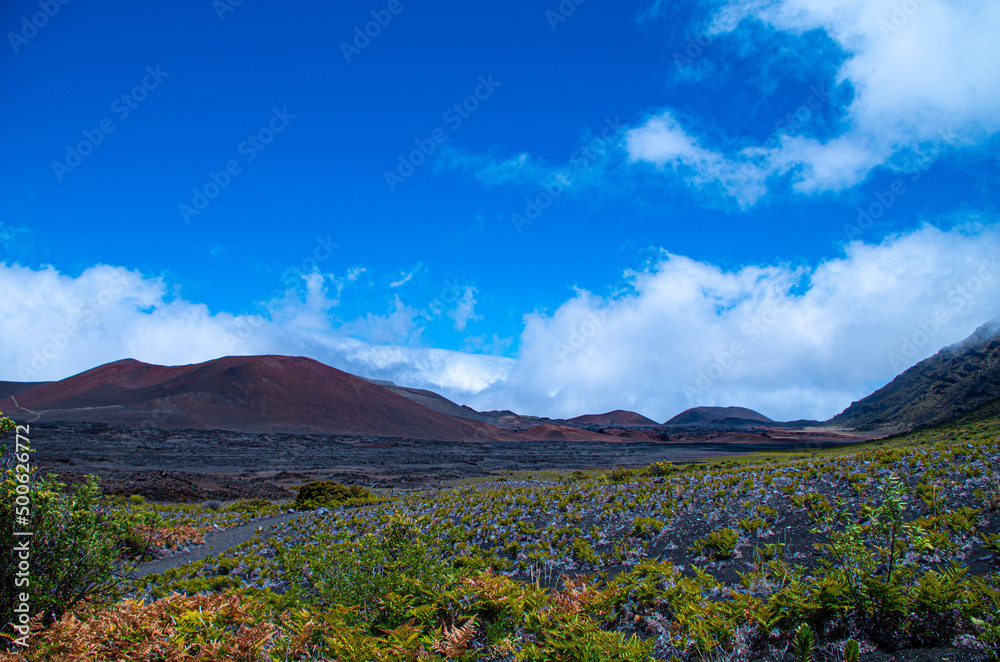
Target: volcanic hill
{"points": [[719, 416], [254, 394], [618, 417]]}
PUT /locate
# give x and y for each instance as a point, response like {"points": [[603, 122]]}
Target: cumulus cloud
{"points": [[789, 341], [924, 80], [792, 342], [55, 325]]}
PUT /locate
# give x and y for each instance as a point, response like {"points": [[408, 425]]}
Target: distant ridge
{"points": [[618, 417], [431, 400], [718, 416], [955, 381]]}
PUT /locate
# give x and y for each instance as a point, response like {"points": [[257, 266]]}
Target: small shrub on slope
{"points": [[328, 494]]}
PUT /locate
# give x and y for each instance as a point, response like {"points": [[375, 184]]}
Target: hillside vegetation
{"points": [[951, 383], [865, 551]]}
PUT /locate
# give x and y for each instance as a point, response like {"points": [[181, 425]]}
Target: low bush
{"points": [[328, 494]]}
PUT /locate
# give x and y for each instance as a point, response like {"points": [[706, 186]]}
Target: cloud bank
{"points": [[789, 341], [923, 75]]}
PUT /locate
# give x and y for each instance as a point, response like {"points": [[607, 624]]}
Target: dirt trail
{"points": [[215, 543]]}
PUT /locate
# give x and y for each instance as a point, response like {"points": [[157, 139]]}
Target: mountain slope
{"points": [[953, 382], [245, 394], [13, 388], [431, 400]]}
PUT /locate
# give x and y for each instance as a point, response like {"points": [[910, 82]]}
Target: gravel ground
{"points": [[215, 543]]}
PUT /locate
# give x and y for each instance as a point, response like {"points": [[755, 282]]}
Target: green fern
{"points": [[852, 651], [804, 645]]}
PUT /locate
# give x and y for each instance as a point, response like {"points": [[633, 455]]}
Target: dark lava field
{"points": [[192, 465]]}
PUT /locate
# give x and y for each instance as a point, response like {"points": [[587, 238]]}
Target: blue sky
{"points": [[731, 143]]}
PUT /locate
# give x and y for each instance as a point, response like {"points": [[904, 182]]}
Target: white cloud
{"points": [[465, 309], [662, 140], [924, 79], [403, 280], [56, 325], [812, 339]]}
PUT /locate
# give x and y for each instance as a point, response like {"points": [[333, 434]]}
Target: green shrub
{"points": [[251, 506], [644, 527], [660, 469], [328, 494], [620, 475], [717, 545], [584, 552], [6, 425], [79, 551]]}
